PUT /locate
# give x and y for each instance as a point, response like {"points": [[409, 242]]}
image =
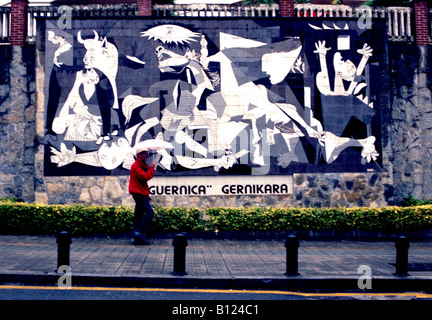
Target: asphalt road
{"points": [[197, 303], [97, 293], [21, 292]]}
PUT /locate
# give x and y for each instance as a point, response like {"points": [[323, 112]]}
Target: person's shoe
{"points": [[139, 242], [140, 238], [139, 235]]}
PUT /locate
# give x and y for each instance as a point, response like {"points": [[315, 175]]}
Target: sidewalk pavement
{"points": [[325, 266]]}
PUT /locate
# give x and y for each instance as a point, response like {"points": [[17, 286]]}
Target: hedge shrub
{"points": [[388, 219], [25, 218], [178, 219], [411, 201]]}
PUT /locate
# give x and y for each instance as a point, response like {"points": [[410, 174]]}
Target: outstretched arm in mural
{"points": [[344, 70], [226, 161], [366, 51], [331, 145], [334, 145], [323, 81], [107, 156], [291, 112], [64, 46], [66, 156]]}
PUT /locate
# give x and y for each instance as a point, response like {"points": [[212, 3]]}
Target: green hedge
{"points": [[411, 201], [388, 219], [25, 218]]}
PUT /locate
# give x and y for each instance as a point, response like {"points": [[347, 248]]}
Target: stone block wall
{"points": [[310, 190], [345, 190], [17, 122], [411, 119]]}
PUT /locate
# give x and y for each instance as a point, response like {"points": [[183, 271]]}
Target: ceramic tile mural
{"points": [[213, 96]]}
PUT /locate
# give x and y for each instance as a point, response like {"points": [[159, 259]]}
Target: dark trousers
{"points": [[143, 214]]}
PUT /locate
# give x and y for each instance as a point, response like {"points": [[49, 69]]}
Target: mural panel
{"points": [[214, 96]]}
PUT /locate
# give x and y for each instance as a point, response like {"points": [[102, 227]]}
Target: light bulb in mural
{"points": [[169, 33]]}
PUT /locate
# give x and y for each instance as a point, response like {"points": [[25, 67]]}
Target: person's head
{"points": [[279, 59], [345, 69], [278, 64], [111, 155], [143, 155]]}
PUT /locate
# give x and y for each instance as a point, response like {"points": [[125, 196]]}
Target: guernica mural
{"points": [[213, 96]]}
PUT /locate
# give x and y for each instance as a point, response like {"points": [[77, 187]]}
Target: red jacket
{"points": [[140, 173]]}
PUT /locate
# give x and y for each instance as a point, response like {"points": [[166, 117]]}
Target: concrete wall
{"points": [[405, 144]]}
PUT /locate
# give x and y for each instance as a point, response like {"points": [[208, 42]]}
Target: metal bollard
{"points": [[292, 245], [402, 245], [64, 240], [180, 244]]}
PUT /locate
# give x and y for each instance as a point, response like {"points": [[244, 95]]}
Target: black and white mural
{"points": [[213, 96]]}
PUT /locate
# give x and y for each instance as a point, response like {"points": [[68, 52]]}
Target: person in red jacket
{"points": [[140, 173]]}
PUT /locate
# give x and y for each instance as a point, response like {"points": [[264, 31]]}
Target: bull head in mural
{"points": [[100, 54]]}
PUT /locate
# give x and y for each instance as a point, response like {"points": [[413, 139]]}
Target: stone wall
{"points": [[17, 122], [411, 122], [310, 190], [407, 147], [346, 190]]}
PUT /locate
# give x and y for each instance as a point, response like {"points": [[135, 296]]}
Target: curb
{"points": [[286, 283]]}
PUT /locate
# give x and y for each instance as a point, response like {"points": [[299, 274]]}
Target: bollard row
{"points": [[292, 244]]}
